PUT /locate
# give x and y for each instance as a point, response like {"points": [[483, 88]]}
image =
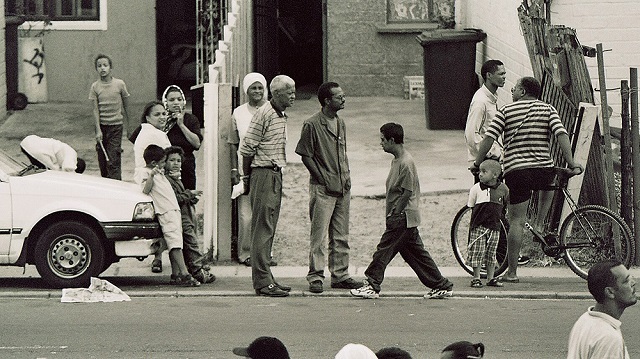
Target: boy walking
{"points": [[488, 198], [155, 184], [402, 220], [186, 200], [111, 112]]}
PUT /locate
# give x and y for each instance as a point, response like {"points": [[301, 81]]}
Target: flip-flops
{"points": [[476, 283], [495, 282]]}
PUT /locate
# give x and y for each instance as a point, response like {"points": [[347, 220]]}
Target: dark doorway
{"points": [[176, 44], [296, 49]]}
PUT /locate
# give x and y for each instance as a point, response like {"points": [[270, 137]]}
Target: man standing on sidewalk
{"points": [[323, 147], [596, 334], [402, 221], [263, 152]]}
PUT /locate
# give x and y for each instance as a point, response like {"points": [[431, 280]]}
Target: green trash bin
{"points": [[449, 76]]}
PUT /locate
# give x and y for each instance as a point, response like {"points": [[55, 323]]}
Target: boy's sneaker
{"points": [[204, 276], [439, 293], [366, 291], [523, 260]]}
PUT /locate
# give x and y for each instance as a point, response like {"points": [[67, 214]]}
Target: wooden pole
{"points": [[625, 153], [635, 140], [606, 132]]}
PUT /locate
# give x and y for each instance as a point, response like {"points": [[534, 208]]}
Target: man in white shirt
{"points": [[596, 334], [51, 154]]}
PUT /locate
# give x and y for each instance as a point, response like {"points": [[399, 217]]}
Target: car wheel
{"points": [[68, 254]]}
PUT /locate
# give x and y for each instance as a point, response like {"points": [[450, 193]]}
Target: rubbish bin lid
{"points": [[14, 20], [450, 35]]}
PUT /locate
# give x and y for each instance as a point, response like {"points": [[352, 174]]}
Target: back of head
{"points": [[324, 91], [80, 165], [264, 348], [490, 66], [531, 86], [464, 349], [355, 351], [392, 353], [599, 277], [393, 130], [281, 82], [153, 153]]}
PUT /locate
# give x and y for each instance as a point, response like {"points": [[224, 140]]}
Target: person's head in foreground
{"points": [[392, 353], [263, 348], [463, 350], [355, 351], [612, 286]]}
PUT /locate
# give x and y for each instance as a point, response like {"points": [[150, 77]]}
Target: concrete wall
{"points": [[614, 23], [365, 61], [130, 40]]}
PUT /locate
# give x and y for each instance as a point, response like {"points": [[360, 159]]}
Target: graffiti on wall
{"points": [[408, 10], [37, 61]]}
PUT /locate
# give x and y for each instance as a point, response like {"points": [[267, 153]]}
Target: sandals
{"points": [[476, 283], [156, 266], [184, 281], [495, 283]]}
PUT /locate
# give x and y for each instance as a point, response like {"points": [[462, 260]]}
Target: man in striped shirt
{"points": [[527, 124], [263, 156]]}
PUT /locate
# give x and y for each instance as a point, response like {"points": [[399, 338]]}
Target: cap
{"points": [[264, 348]]}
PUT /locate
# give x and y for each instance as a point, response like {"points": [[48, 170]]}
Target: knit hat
{"points": [[355, 351], [252, 78]]}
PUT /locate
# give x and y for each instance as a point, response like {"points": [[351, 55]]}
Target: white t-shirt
{"points": [[148, 135], [596, 335]]}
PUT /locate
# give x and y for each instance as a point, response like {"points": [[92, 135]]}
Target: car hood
{"points": [[69, 184]]}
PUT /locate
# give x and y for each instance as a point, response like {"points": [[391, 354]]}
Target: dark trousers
{"points": [[188, 172], [193, 257], [398, 238], [112, 142], [266, 195]]}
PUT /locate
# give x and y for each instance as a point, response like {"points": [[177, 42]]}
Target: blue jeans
{"points": [[398, 238], [329, 221]]}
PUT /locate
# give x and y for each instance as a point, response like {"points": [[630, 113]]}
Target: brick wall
{"points": [[363, 60], [614, 23]]}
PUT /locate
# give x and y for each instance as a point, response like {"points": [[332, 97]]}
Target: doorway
{"points": [[297, 48]]}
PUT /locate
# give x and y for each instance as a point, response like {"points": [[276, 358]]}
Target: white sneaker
{"points": [[439, 293], [366, 291]]}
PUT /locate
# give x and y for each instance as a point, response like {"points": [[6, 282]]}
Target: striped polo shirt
{"points": [[266, 138], [532, 122]]}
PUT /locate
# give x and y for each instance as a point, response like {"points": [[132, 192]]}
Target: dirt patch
{"points": [[366, 223]]}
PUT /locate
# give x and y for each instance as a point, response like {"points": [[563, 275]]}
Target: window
{"points": [[63, 14]]}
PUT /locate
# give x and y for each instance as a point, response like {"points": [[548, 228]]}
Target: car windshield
{"points": [[12, 167]]}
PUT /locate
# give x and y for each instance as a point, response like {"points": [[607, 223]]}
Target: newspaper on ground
{"points": [[100, 290]]}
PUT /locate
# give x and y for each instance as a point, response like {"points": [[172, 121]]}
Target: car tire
{"points": [[68, 254]]}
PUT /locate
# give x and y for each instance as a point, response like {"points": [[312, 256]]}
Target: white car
{"points": [[71, 226]]}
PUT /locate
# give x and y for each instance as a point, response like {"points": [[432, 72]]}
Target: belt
{"points": [[273, 168]]}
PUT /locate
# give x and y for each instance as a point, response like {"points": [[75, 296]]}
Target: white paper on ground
{"points": [[100, 290]]}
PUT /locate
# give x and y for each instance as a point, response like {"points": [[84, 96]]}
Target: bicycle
{"points": [[589, 234]]}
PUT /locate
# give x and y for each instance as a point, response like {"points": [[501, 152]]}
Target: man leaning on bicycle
{"points": [[526, 126]]}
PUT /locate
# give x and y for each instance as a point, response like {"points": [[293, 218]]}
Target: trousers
{"points": [[112, 142]]}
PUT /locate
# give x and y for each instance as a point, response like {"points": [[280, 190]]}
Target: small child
{"points": [[488, 198], [187, 200], [111, 112], [155, 184]]}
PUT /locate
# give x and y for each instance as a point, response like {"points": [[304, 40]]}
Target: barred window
{"points": [[55, 10]]}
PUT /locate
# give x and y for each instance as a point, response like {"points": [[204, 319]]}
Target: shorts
{"points": [[522, 181], [483, 244], [171, 225]]}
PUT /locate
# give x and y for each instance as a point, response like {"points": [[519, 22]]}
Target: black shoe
{"points": [[246, 262], [348, 283], [286, 288], [315, 286], [523, 260], [272, 291]]}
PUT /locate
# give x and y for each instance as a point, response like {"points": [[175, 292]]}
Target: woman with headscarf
{"points": [[254, 85], [183, 130]]}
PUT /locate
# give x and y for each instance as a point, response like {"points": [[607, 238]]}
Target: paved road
{"points": [[310, 327]]}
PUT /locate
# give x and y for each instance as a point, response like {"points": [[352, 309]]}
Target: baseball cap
{"points": [[264, 348]]}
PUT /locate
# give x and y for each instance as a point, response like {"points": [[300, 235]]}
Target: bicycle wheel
{"points": [[590, 235], [460, 243]]}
